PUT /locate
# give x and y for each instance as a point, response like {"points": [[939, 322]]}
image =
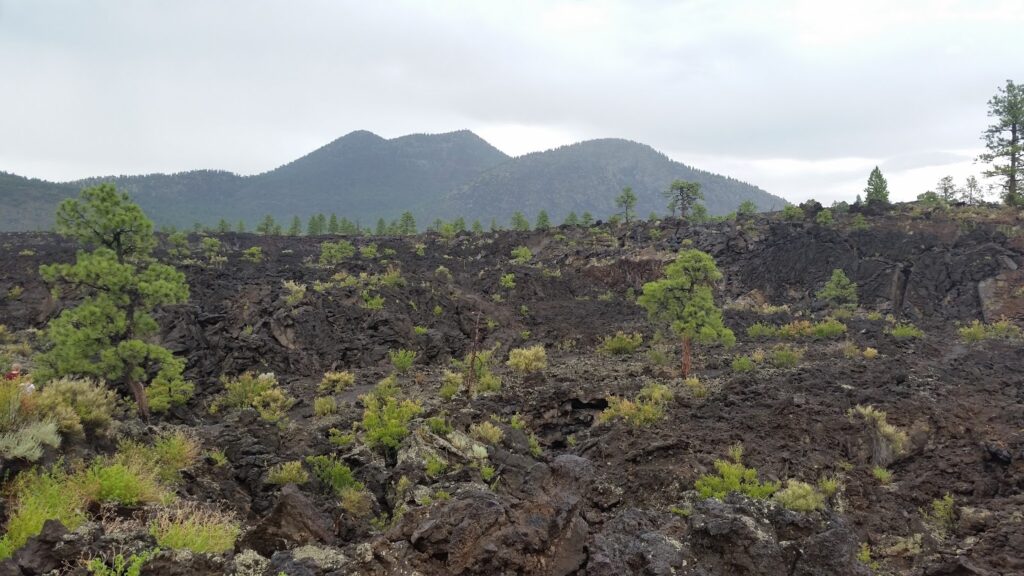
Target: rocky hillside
{"points": [[363, 177], [546, 470]]}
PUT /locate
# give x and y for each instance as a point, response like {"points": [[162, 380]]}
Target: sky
{"points": [[801, 98]]}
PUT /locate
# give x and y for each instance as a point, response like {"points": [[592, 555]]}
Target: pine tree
{"points": [[313, 226], [477, 227], [684, 301], [1004, 139], [223, 226], [267, 226], [971, 192], [459, 224], [520, 223], [587, 220], [109, 334], [240, 227], [627, 202], [494, 225], [543, 221], [572, 220], [877, 191], [839, 291], [333, 227], [296, 228], [946, 189], [682, 196], [407, 224], [382, 227]]}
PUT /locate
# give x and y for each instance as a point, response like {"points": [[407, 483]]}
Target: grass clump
{"points": [[521, 255], [324, 406], [870, 353], [743, 364], [259, 392], [648, 408], [435, 466], [977, 331], [386, 419], [38, 496], [942, 516], [199, 530], [882, 475], [528, 360], [732, 477], [333, 473], [486, 432], [890, 439], [340, 439], [402, 359], [254, 254], [507, 281], [761, 331], [121, 565], [439, 425], [336, 382], [621, 343], [334, 253], [785, 356], [800, 497], [288, 473], [451, 383], [294, 292], [829, 329], [904, 331]]}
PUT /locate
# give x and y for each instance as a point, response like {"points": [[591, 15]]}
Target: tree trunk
{"points": [[686, 356], [1011, 198], [140, 398]]}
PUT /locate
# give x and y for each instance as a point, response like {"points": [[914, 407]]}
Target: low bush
{"points": [[451, 383], [294, 292], [402, 359], [324, 406], [942, 516], [881, 474], [800, 497], [732, 477], [785, 356], [829, 329], [743, 365], [521, 255], [895, 439], [435, 466], [386, 419], [976, 331], [38, 496], [439, 425], [121, 481], [199, 530], [334, 253], [288, 473], [254, 254], [76, 404], [121, 565], [259, 392], [486, 432], [621, 343], [528, 360], [507, 281], [648, 408], [336, 382], [902, 331], [333, 473], [762, 331]]}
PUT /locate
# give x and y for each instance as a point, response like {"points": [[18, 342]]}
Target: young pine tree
{"points": [[108, 335], [1004, 139], [543, 221], [627, 202], [877, 190], [683, 300]]}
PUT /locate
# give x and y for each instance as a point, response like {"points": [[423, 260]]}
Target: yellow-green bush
{"points": [[648, 408], [325, 406], [386, 419], [486, 432], [732, 477], [336, 382], [199, 530], [76, 404], [288, 473], [528, 360], [621, 343], [800, 496]]}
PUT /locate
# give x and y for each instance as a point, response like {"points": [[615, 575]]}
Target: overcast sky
{"points": [[802, 98]]}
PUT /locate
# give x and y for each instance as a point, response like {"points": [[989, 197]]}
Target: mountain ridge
{"points": [[363, 176]]}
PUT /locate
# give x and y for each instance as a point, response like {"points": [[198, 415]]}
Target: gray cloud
{"points": [[141, 86]]}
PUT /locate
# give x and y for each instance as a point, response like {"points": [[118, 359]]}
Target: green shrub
{"points": [[435, 466], [123, 482], [507, 281], [260, 392], [902, 331], [839, 291], [824, 218], [38, 496], [439, 425], [163, 393], [369, 251], [858, 222], [75, 404], [761, 331], [334, 253], [621, 343], [451, 383], [402, 359], [386, 420], [340, 439], [478, 367], [800, 496], [372, 301], [333, 473], [521, 255], [419, 330], [486, 432], [27, 440], [528, 360], [173, 452], [293, 292], [254, 254], [336, 382], [743, 364], [785, 356], [942, 515], [120, 565], [288, 473], [976, 331], [792, 212], [324, 406], [876, 419], [273, 405], [732, 477], [201, 531], [881, 474], [648, 408], [829, 329]]}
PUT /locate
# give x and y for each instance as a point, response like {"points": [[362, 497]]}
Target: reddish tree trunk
{"points": [[140, 398], [686, 356]]}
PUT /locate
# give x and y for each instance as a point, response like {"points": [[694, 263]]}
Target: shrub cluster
{"points": [[621, 343], [647, 408], [258, 391], [528, 360]]}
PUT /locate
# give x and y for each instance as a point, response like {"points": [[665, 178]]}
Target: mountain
{"points": [[588, 176], [363, 177]]}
